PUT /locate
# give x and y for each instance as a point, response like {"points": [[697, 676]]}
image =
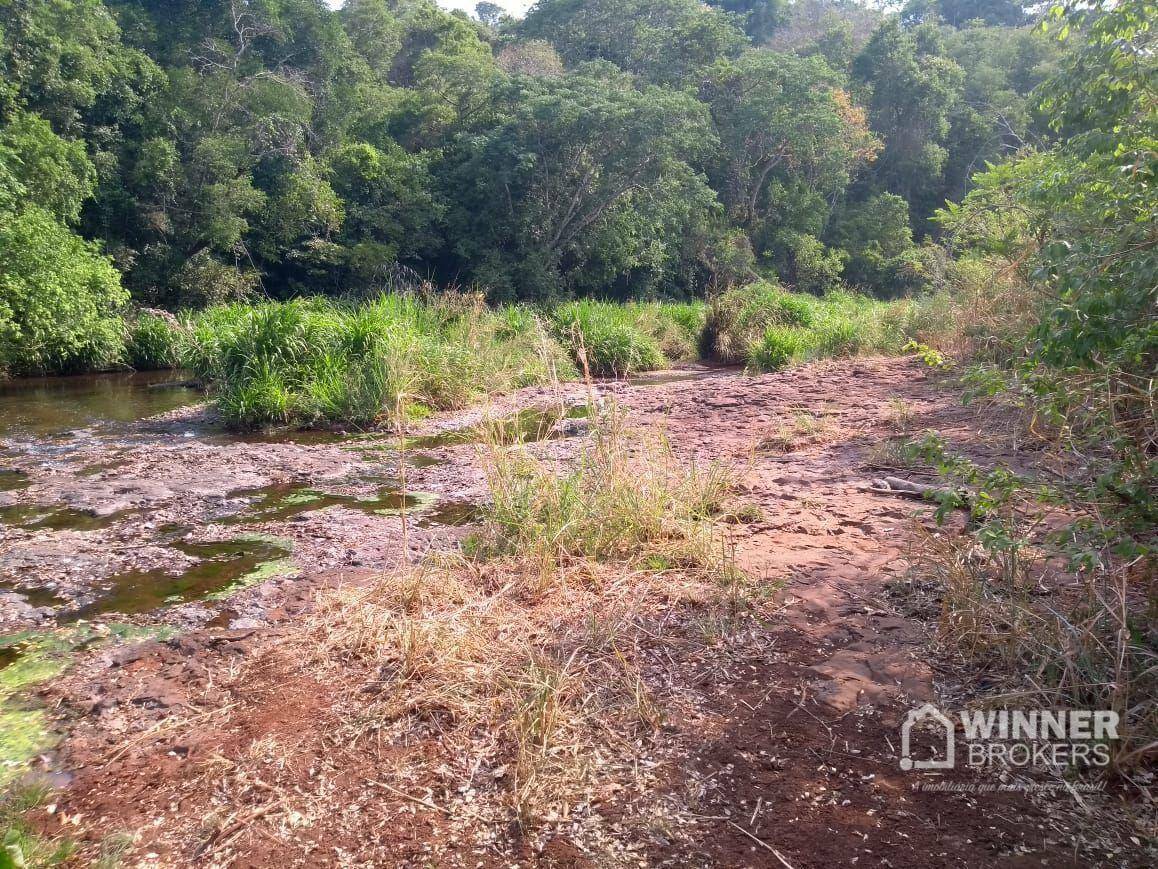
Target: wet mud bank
{"points": [[122, 495]]}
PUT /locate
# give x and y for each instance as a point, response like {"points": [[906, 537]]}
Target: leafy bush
{"points": [[878, 241], [59, 299], [813, 267]]}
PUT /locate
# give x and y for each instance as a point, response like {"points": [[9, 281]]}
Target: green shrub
{"points": [[738, 318], [779, 346], [204, 280], [60, 299], [813, 267], [152, 342]]}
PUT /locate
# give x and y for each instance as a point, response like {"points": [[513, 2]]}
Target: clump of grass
{"points": [[736, 319], [607, 338], [778, 347], [835, 338], [767, 328], [676, 326], [900, 415], [20, 846], [152, 341], [803, 429], [314, 361], [626, 499]]}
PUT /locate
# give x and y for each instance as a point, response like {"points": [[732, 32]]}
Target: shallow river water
{"points": [[122, 496]]}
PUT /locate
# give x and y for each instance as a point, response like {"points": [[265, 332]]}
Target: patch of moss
{"points": [[268, 570], [24, 732], [418, 501], [307, 496], [35, 657]]}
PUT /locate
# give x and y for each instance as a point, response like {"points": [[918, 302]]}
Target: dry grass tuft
{"points": [[1069, 646], [803, 430], [900, 415], [523, 662], [626, 499]]}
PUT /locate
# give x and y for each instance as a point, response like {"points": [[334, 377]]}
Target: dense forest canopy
{"points": [[218, 149], [609, 147]]}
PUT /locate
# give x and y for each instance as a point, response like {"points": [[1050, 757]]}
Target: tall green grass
{"points": [[620, 339], [313, 361], [767, 328], [152, 341]]}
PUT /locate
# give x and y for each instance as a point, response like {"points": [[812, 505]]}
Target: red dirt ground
{"points": [[221, 748]]}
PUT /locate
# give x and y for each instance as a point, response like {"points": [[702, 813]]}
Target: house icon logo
{"points": [[916, 716]]}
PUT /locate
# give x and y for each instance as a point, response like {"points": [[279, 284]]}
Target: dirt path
{"points": [[780, 747]]}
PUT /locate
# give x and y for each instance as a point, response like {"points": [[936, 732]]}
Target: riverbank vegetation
{"points": [[185, 157], [1060, 335], [319, 361]]}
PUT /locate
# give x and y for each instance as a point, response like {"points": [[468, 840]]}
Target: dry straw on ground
{"points": [[524, 660]]}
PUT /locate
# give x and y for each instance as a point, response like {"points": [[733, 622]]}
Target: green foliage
{"points": [[876, 237], [58, 57], [1085, 238], [777, 347], [609, 337], [791, 141], [152, 342], [913, 89], [930, 356], [811, 267], [658, 149], [310, 362], [388, 204], [738, 318], [204, 280], [59, 299], [39, 167], [666, 41], [583, 185], [1065, 234]]}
